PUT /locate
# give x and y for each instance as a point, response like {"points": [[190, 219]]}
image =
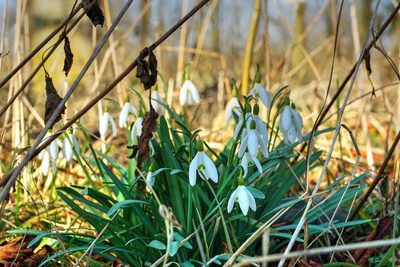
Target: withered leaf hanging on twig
{"points": [[69, 57], [52, 101], [142, 149], [147, 71], [367, 58], [94, 12]]}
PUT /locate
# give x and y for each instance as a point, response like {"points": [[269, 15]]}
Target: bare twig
{"points": [[37, 48]]}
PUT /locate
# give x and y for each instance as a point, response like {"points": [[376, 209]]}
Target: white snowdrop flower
{"points": [[260, 92], [69, 144], [136, 130], [290, 124], [149, 178], [239, 127], [252, 141], [244, 197], [105, 120], [188, 93], [247, 161], [127, 110], [156, 99], [260, 125], [49, 154], [233, 106], [203, 164]]}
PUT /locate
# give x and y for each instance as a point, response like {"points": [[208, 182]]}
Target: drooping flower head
{"points": [[243, 196], [69, 144], [247, 161], [203, 165], [259, 92], [243, 122], [136, 130], [156, 99], [252, 141], [188, 92], [260, 125], [127, 110], [290, 124], [149, 178], [233, 105], [105, 120], [49, 154]]}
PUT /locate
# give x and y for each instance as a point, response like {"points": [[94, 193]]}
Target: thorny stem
{"points": [[11, 176], [37, 49]]}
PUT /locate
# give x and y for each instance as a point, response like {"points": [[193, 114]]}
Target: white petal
{"points": [[232, 200], [183, 94], [54, 169], [251, 91], [263, 94], [113, 126], [194, 92], [75, 145], [189, 98], [156, 105], [210, 167], [46, 163], [232, 106], [150, 179], [192, 170], [252, 201], [245, 164], [243, 146], [237, 129], [53, 149], [257, 163], [252, 142], [124, 115], [291, 134], [67, 149], [132, 109], [261, 128], [286, 119], [263, 146], [104, 123], [243, 199]]}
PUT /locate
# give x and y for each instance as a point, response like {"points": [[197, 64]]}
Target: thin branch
{"points": [[37, 48]]}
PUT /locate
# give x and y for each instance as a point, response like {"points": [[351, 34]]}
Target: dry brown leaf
{"points": [[69, 57], [382, 230], [142, 149], [52, 101], [94, 12], [147, 71]]}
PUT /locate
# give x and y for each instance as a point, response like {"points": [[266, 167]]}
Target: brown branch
{"points": [[37, 48], [10, 177], [28, 80]]}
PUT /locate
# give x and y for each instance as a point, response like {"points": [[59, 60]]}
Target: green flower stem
{"points": [[228, 241]]}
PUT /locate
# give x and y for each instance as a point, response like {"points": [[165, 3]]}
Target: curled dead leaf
{"points": [[142, 149], [94, 12], [52, 101], [69, 57], [147, 70]]}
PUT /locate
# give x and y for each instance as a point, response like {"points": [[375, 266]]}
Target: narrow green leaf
{"points": [[157, 245], [123, 204]]}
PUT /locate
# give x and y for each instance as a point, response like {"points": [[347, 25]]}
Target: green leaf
{"points": [[284, 235], [157, 245], [173, 248], [255, 192], [123, 204]]}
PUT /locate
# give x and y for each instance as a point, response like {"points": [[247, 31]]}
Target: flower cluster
{"points": [[49, 155], [290, 124]]}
